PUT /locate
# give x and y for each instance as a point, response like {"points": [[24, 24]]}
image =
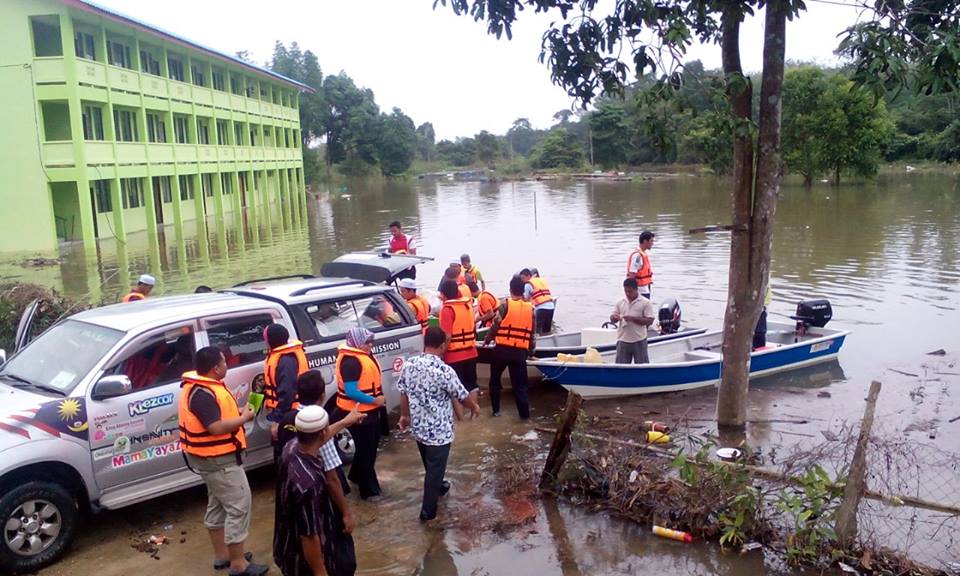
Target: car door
{"points": [[135, 436], [240, 337]]}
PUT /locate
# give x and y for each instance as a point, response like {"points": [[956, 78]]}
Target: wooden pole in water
{"points": [[846, 525], [561, 440]]}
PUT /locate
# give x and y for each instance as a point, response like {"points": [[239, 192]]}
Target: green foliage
{"points": [[488, 147], [462, 152], [398, 143], [426, 142], [811, 506], [14, 299], [522, 137], [610, 133], [559, 149]]}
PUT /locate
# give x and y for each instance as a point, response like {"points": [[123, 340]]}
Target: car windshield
{"points": [[60, 357]]}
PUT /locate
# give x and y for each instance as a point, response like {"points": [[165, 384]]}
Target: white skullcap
{"points": [[311, 419], [408, 283], [147, 279]]}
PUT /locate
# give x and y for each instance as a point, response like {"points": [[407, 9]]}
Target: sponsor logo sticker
{"points": [[820, 346], [141, 407], [397, 365], [151, 453]]}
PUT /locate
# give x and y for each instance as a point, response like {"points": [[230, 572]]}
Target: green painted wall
{"points": [[47, 165]]}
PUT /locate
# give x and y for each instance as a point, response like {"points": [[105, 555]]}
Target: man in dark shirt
{"points": [[305, 537]]}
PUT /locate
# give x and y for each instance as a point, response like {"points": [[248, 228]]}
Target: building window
{"points": [[186, 188], [118, 54], [253, 135], [226, 183], [156, 129], [203, 131], [237, 134], [131, 192], [162, 183], [46, 36], [235, 85], [198, 78], [100, 192], [148, 63], [251, 90], [92, 122], [84, 46], [125, 125], [180, 131], [206, 182], [217, 78], [223, 133], [175, 68]]}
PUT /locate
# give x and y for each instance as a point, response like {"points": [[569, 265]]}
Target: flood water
{"points": [[886, 254]]}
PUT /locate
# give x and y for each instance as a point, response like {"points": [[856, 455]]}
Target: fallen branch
{"points": [[771, 474]]}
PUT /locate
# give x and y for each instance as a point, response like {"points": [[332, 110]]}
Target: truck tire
{"points": [[39, 521]]}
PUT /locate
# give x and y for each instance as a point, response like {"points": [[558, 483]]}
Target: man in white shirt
{"points": [[638, 264], [632, 314]]}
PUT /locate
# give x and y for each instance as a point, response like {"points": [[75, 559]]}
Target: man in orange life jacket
{"points": [[284, 364], [401, 243], [420, 307], [486, 304], [359, 386], [458, 321], [213, 441], [513, 332], [144, 285], [468, 271], [638, 264], [537, 292]]}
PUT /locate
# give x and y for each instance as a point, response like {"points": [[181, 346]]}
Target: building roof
{"points": [[112, 14]]}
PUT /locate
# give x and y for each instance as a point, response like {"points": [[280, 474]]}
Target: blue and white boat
{"points": [[692, 362]]}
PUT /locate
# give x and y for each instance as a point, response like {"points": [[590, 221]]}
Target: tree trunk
{"points": [[807, 181], [836, 176], [754, 206]]}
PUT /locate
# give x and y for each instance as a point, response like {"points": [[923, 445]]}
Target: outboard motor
{"points": [[815, 313], [669, 316]]}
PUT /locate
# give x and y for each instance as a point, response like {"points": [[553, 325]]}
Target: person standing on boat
{"points": [[470, 272], [401, 243], [144, 285], [512, 330], [638, 264], [632, 315], [537, 292]]}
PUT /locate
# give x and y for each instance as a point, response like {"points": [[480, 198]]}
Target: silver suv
{"points": [[88, 409]]}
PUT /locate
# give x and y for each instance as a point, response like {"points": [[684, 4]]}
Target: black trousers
{"points": [[363, 471], [544, 320], [514, 360], [434, 466], [467, 373], [760, 332]]}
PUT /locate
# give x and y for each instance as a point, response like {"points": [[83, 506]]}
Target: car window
{"points": [[333, 319], [377, 313], [240, 338], [158, 359], [61, 356]]}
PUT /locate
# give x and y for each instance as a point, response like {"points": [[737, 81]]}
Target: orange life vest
{"points": [[541, 292], [644, 275], [421, 309], [295, 347], [487, 302], [133, 297], [516, 328], [369, 382], [465, 291], [194, 437], [463, 334]]}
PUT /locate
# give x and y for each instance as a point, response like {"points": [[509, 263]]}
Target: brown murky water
{"points": [[886, 254]]}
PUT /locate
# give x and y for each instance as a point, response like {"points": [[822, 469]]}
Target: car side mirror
{"points": [[111, 387]]}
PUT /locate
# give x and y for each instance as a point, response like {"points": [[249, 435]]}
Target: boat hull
{"points": [[614, 380]]}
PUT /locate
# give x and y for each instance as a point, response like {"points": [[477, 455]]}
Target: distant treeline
{"points": [[830, 127]]}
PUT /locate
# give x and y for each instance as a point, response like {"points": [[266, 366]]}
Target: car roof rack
{"points": [[275, 278], [345, 282]]}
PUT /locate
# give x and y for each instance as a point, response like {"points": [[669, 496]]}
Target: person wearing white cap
{"points": [[144, 285], [419, 305], [308, 536]]}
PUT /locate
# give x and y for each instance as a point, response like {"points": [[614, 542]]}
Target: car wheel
{"points": [[345, 445], [39, 522]]}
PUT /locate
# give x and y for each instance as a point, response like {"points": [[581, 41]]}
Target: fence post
{"points": [[561, 439], [846, 524]]}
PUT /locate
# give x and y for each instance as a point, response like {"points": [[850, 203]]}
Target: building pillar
{"points": [[199, 211], [177, 206], [237, 200], [75, 109], [217, 182], [116, 199], [150, 205]]}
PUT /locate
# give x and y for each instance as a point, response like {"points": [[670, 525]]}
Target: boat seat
{"points": [[702, 355]]}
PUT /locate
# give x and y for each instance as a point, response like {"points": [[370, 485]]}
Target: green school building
{"points": [[112, 126]]}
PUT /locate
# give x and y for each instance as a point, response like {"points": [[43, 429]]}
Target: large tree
{"points": [[592, 52], [398, 143]]}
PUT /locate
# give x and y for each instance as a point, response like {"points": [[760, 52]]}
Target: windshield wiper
{"points": [[24, 383]]}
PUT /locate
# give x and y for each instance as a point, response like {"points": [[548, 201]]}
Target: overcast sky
{"points": [[435, 66]]}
